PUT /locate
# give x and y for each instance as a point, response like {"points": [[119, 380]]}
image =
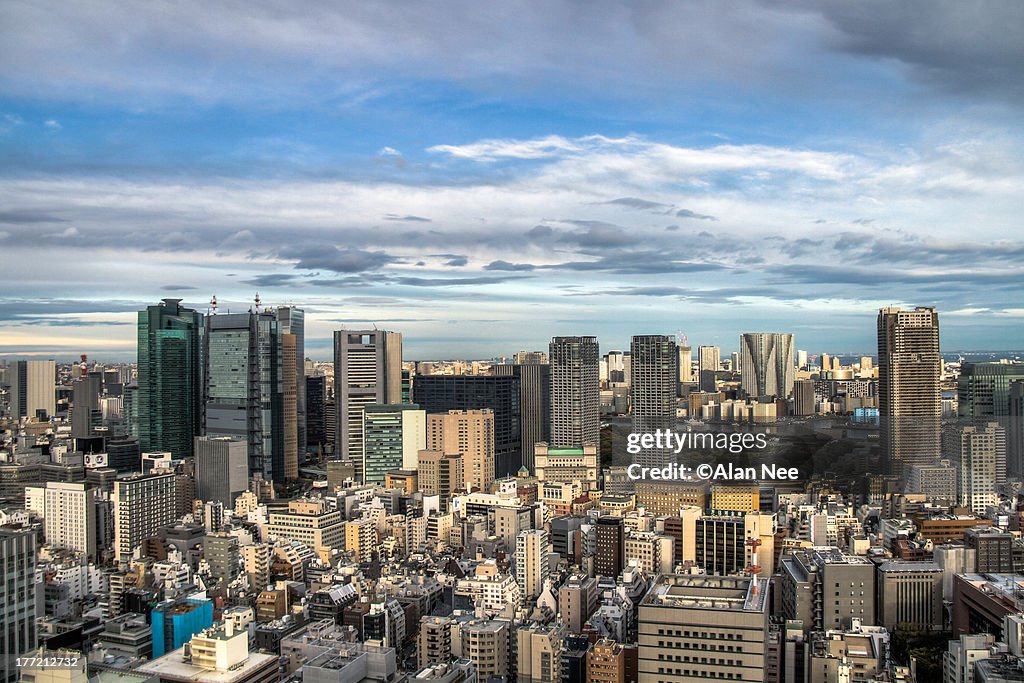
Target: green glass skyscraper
{"points": [[169, 400]]}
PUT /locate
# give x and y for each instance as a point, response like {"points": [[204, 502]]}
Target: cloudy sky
{"points": [[481, 176]]}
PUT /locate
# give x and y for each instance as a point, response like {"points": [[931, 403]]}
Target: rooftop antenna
{"points": [[257, 302], [213, 305]]}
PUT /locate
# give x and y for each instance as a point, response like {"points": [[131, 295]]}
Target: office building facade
{"points": [[767, 364], [653, 387], [909, 399], [367, 370], [168, 404], [575, 391]]}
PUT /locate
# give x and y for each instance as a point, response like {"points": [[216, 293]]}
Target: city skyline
{"points": [[555, 171]]}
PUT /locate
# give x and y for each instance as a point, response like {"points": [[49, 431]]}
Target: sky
{"points": [[482, 176]]}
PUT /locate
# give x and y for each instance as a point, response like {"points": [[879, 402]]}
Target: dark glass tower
{"points": [[169, 403]]}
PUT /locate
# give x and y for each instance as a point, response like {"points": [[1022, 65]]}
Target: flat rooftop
{"points": [[732, 593], [173, 666]]}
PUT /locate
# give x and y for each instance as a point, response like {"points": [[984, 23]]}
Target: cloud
{"points": [[456, 261], [982, 50], [52, 124], [272, 280], [410, 219], [505, 265], [28, 216], [641, 204], [454, 282], [177, 288], [336, 259], [686, 213]]}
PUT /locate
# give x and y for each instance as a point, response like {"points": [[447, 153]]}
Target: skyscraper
{"points": [[500, 394], [709, 361], [767, 364], [470, 433], [316, 401], [982, 466], [909, 400], [392, 436], [534, 407], [32, 387], [142, 504], [685, 363], [367, 369], [167, 407], [245, 387], [222, 468], [86, 415], [18, 597], [653, 385], [293, 322], [575, 391]]}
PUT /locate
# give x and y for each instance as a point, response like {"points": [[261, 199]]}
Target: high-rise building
{"points": [[18, 597], [167, 406], [803, 397], [575, 391], [982, 466], [767, 363], [293, 322], [142, 504], [801, 359], [909, 399], [807, 580], [724, 619], [245, 387], [534, 407], [611, 546], [653, 386], [316, 404], [709, 362], [32, 387], [222, 468], [531, 563], [86, 414], [685, 363], [220, 551], [500, 394], [392, 436], [439, 474], [983, 389], [367, 369], [70, 516], [471, 434]]}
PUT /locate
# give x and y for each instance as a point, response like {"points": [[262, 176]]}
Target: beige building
{"points": [[664, 498], [734, 498], [309, 522], [360, 538], [434, 640], [531, 563], [440, 474], [695, 627], [539, 652], [606, 662], [70, 516], [485, 643], [471, 434], [567, 464]]}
